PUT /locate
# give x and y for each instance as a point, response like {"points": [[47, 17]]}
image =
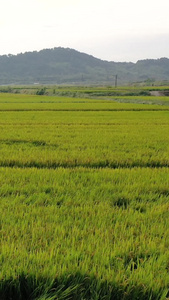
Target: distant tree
{"points": [[41, 91]]}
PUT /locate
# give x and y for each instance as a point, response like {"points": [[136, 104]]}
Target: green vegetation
{"points": [[84, 189]]}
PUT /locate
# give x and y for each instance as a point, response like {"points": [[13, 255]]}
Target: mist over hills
{"points": [[68, 66]]}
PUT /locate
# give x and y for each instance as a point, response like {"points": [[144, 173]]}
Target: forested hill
{"points": [[64, 65]]}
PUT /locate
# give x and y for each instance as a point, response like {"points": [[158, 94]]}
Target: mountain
{"points": [[64, 65]]}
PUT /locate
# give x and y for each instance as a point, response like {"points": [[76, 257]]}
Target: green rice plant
{"points": [[91, 139], [58, 223], [84, 190]]}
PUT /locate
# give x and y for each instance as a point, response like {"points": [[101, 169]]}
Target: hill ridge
{"points": [[65, 65]]}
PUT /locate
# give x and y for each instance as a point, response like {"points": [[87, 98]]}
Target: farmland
{"points": [[84, 189]]}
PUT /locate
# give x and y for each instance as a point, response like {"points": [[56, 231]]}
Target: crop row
{"points": [[107, 106]]}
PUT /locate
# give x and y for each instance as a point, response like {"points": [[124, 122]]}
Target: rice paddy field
{"points": [[84, 198]]}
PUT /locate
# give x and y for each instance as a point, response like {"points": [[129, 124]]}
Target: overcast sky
{"points": [[114, 30]]}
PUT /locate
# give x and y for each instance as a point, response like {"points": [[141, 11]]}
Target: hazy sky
{"points": [[114, 30]]}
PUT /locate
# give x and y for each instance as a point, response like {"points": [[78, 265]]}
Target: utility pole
{"points": [[115, 80]]}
